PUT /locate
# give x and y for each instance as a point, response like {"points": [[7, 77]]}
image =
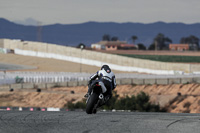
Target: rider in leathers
{"points": [[108, 78]]}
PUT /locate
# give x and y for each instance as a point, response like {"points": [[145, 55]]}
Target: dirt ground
{"points": [[177, 98]]}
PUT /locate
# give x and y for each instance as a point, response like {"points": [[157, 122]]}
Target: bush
{"points": [[134, 103], [187, 105], [78, 105]]}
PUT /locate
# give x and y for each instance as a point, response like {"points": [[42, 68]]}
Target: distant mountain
{"points": [[28, 21], [91, 32]]}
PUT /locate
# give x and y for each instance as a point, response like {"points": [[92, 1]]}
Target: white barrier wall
{"points": [[124, 62], [1, 43], [91, 62]]}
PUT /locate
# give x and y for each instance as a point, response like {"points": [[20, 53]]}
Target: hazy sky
{"points": [[79, 11]]}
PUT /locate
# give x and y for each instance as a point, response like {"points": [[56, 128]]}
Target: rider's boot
{"points": [[87, 95]]}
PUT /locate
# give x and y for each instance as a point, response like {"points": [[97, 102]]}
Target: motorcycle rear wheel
{"points": [[91, 103]]}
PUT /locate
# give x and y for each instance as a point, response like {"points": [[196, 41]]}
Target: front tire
{"points": [[91, 103]]}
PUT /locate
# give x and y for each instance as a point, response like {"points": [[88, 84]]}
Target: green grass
{"points": [[167, 58]]}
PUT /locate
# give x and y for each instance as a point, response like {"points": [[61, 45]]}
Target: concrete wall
{"points": [[119, 82], [1, 43], [114, 59]]}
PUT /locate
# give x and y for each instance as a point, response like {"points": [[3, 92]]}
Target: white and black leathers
{"points": [[108, 78]]}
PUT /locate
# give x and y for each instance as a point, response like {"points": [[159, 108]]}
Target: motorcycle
{"points": [[96, 98]]}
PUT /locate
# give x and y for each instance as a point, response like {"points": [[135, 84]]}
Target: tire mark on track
{"points": [[174, 122]]}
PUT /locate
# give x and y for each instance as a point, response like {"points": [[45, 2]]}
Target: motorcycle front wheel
{"points": [[91, 103]]}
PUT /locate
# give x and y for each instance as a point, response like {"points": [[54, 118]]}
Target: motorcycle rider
{"points": [[108, 79]]}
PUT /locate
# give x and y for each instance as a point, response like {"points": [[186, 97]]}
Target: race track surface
{"points": [[102, 122], [6, 66]]}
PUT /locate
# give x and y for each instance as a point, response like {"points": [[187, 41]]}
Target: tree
{"points": [[141, 46], [106, 37], [190, 40], [134, 38], [152, 47], [114, 38], [160, 41], [81, 45]]}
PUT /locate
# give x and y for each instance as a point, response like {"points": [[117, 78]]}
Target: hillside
{"points": [[176, 98], [92, 32]]}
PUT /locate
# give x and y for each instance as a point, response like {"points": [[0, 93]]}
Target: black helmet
{"points": [[106, 68]]}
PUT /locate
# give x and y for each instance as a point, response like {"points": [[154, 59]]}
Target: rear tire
{"points": [[91, 103]]}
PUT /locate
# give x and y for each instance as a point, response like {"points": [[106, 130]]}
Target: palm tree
{"points": [[134, 38]]}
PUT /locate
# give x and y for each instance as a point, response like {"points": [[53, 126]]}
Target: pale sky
{"points": [[79, 11]]}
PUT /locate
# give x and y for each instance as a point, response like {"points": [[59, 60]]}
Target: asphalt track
{"points": [[102, 122], [6, 66]]}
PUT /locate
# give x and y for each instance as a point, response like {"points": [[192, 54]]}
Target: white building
{"points": [[98, 46]]}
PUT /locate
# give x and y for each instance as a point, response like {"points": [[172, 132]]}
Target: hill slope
{"points": [[187, 100]]}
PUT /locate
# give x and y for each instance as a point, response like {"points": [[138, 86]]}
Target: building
{"points": [[98, 46], [179, 47], [183, 47], [112, 45], [127, 46]]}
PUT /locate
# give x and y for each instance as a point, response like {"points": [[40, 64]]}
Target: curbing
{"points": [[52, 109]]}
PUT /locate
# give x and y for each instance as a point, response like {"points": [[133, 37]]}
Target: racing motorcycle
{"points": [[96, 98]]}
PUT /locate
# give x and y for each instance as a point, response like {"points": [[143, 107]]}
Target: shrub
{"points": [[139, 102], [78, 105], [187, 105]]}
